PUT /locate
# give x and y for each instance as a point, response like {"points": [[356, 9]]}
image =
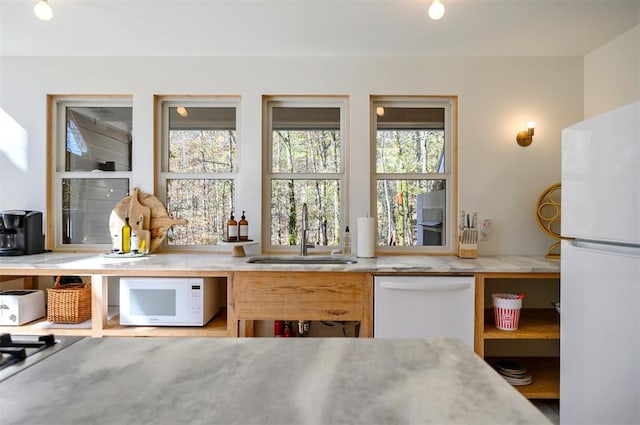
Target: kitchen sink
{"points": [[299, 259]]}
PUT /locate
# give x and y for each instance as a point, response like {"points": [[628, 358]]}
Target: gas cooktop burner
{"points": [[17, 352]]}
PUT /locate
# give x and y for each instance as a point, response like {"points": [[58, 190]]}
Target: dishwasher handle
{"points": [[425, 286]]}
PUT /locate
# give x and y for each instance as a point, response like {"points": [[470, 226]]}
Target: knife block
{"points": [[468, 243]]}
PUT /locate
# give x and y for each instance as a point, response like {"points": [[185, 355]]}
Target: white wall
{"points": [[612, 74], [497, 96]]}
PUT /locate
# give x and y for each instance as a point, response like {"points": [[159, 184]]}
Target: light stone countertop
{"points": [[263, 381], [201, 263]]}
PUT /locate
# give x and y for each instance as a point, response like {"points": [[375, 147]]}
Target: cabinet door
{"points": [[301, 296]]}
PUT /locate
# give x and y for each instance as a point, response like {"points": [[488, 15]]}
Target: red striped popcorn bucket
{"points": [[506, 311]]}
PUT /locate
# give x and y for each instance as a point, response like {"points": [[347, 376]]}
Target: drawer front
{"points": [[300, 296]]}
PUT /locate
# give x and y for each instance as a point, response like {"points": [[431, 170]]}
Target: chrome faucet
{"points": [[305, 229]]}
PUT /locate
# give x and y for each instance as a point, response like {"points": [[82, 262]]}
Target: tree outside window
{"points": [[414, 175], [198, 167], [305, 145]]}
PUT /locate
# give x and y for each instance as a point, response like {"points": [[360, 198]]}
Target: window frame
{"points": [[163, 103], [288, 101], [56, 149], [450, 175]]}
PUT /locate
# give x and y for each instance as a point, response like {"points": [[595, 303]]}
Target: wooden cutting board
{"points": [[155, 217], [139, 215]]}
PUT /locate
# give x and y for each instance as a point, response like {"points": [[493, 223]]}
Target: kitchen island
{"points": [[263, 381]]}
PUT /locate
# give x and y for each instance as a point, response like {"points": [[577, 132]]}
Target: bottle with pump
{"points": [[117, 244], [346, 245], [243, 228], [126, 236], [134, 241], [232, 229]]}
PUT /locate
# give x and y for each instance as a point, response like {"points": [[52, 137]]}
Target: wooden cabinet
{"points": [[330, 296], [327, 296], [301, 296], [536, 342], [105, 324]]}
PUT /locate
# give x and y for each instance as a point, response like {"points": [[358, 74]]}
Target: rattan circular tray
{"points": [[548, 215]]}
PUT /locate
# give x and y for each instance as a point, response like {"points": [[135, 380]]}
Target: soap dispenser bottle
{"points": [[232, 229], [243, 228], [346, 244]]}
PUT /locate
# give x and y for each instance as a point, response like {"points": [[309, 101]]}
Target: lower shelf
{"points": [[545, 372], [36, 328], [217, 327], [540, 323]]}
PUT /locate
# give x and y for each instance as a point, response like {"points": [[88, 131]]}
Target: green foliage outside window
{"points": [[323, 203], [202, 151], [205, 202], [306, 167], [409, 151], [411, 154]]}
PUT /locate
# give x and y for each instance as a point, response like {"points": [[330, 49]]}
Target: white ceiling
{"points": [[313, 27]]}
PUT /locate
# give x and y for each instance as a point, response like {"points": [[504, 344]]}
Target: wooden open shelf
{"points": [[545, 372], [537, 323], [533, 324], [217, 327], [34, 328]]}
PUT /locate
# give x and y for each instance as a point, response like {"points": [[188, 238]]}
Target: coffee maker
{"points": [[21, 232]]}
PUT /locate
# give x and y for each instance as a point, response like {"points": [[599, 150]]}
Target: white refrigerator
{"points": [[600, 270]]}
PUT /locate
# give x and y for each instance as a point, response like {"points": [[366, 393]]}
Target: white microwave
{"points": [[168, 301]]}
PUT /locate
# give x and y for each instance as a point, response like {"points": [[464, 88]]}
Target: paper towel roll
{"points": [[366, 237]]}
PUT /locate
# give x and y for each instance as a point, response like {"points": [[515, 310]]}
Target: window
{"points": [[304, 163], [414, 173], [91, 162], [198, 166]]}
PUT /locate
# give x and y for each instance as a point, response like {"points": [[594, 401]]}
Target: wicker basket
{"points": [[69, 303]]}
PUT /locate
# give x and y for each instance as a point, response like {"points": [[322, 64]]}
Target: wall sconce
{"points": [[436, 10], [524, 138], [43, 11], [380, 111]]}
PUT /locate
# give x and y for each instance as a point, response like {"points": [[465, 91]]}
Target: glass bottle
{"points": [[134, 242], [232, 229], [126, 236], [243, 228], [346, 245]]}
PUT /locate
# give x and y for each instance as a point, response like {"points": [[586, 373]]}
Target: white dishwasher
{"points": [[424, 306]]}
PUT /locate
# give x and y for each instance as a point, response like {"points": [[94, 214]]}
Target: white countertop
{"points": [[263, 381], [201, 263]]}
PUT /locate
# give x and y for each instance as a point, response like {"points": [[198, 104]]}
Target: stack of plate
{"points": [[513, 372]]}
